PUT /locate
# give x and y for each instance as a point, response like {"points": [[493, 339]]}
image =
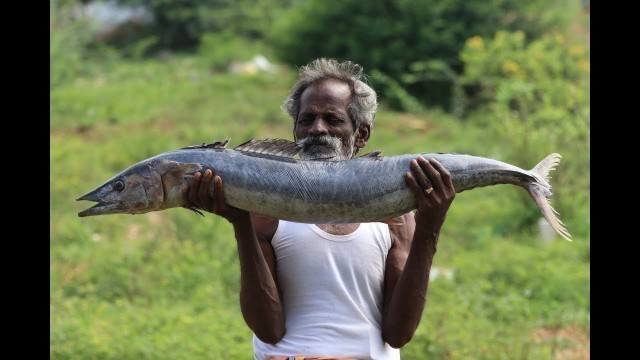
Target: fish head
{"points": [[136, 190]]}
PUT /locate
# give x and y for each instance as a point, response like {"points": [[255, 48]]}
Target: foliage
{"points": [[172, 25], [510, 282], [403, 39], [221, 49], [513, 76], [250, 19], [536, 98], [68, 39], [181, 26]]}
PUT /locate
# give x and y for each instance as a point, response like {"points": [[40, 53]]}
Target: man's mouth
{"points": [[323, 140], [320, 147]]}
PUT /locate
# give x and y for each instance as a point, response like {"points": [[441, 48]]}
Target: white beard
{"points": [[325, 147]]}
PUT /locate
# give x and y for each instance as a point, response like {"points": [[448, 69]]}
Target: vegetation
{"points": [[165, 285], [413, 43]]}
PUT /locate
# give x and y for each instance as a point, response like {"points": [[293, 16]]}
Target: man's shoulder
{"points": [[264, 226], [402, 220], [402, 232]]}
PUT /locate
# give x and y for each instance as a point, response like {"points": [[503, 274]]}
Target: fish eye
{"points": [[118, 185]]}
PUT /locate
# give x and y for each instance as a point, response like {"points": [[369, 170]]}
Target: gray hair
{"points": [[363, 104]]}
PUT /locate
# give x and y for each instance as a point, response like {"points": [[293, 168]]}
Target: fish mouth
{"points": [[94, 210], [101, 208]]}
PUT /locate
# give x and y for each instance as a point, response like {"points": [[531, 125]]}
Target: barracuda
{"points": [[263, 177]]}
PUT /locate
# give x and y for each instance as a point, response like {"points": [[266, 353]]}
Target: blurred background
{"points": [[504, 79]]}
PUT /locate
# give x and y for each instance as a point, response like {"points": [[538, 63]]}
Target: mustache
{"points": [[320, 147], [324, 140]]}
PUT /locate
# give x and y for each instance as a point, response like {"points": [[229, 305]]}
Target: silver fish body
{"points": [[365, 189]]}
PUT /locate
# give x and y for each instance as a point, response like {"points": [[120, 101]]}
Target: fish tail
{"points": [[540, 191]]}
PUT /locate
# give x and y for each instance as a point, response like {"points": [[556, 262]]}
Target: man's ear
{"points": [[364, 132]]}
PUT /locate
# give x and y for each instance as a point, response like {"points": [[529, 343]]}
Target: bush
{"points": [[393, 37], [68, 40], [535, 97], [218, 50], [181, 25]]}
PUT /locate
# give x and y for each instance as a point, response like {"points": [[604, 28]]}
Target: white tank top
{"points": [[332, 289]]}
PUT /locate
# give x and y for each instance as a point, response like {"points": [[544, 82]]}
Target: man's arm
{"points": [[414, 246], [260, 299]]}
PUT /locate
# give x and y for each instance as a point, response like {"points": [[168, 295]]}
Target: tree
{"points": [[413, 44]]}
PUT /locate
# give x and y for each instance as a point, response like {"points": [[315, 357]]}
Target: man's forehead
{"points": [[329, 91]]}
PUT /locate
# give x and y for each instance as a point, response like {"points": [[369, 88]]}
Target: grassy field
{"points": [[165, 285]]}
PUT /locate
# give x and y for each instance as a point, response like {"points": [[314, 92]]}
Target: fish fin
{"points": [[546, 165], [397, 220], [275, 147], [373, 154], [173, 173], [176, 170], [540, 191], [213, 145], [194, 210], [326, 158]]}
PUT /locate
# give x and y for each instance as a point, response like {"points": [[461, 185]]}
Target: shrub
{"points": [[535, 97], [393, 37]]}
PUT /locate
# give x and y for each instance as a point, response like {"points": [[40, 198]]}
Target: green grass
{"points": [[165, 285]]}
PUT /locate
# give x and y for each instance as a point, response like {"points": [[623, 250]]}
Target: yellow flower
{"points": [[512, 67], [576, 50], [475, 42]]}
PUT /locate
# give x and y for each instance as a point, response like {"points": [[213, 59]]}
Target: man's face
{"points": [[323, 126]]}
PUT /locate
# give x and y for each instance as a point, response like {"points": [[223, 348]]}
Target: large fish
{"points": [[264, 177]]}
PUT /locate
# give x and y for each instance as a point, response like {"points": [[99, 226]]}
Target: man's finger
{"points": [[217, 190], [444, 174], [193, 189], [417, 166], [203, 192]]}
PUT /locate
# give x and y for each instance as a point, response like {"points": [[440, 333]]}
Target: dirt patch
{"points": [[567, 343]]}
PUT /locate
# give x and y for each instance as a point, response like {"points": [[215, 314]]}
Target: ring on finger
{"points": [[428, 191]]}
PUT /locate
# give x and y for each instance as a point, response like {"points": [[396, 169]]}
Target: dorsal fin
{"points": [[373, 154], [275, 147], [213, 145]]}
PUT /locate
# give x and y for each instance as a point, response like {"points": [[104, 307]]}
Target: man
{"points": [[334, 290]]}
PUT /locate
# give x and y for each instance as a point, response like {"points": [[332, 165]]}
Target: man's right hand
{"points": [[197, 196]]}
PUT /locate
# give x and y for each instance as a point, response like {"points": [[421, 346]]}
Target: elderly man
{"points": [[334, 290]]}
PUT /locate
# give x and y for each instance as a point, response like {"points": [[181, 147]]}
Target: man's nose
{"points": [[319, 127]]}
